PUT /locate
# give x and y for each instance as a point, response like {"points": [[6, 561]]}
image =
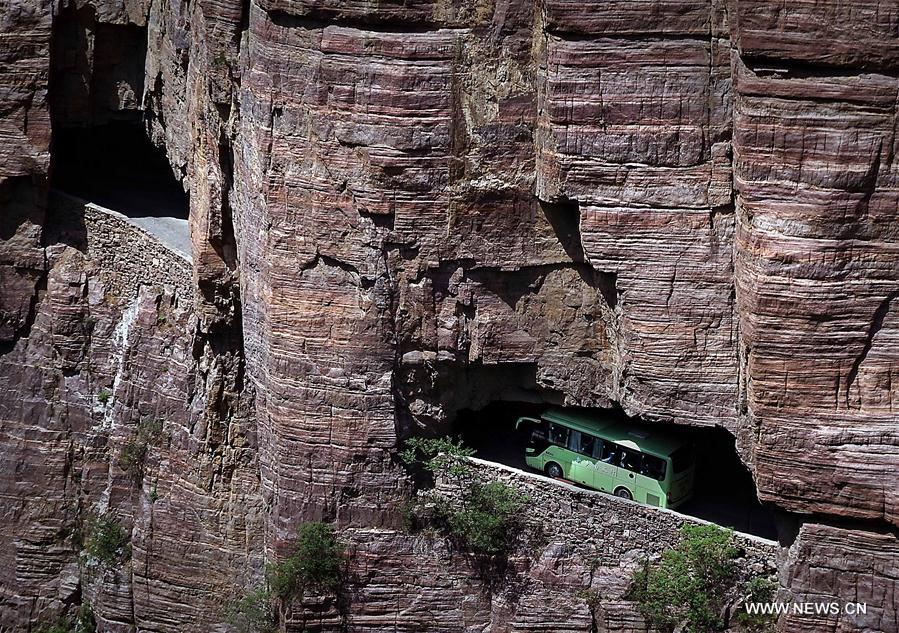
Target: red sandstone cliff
{"points": [[685, 208]]}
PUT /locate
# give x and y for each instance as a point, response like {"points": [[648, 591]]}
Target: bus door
{"points": [[583, 466], [629, 465], [649, 479], [537, 433], [606, 467]]}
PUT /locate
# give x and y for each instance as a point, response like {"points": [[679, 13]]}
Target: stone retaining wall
{"points": [[126, 254], [603, 526], [588, 547]]}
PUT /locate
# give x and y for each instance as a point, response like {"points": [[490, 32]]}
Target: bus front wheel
{"points": [[554, 470], [624, 493]]}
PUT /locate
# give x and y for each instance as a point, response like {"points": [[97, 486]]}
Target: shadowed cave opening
{"points": [[116, 166], [724, 491], [101, 152]]}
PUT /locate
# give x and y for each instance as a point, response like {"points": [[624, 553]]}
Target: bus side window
{"points": [[587, 445], [653, 467], [558, 435], [597, 448], [574, 441], [630, 460], [610, 453], [539, 434]]}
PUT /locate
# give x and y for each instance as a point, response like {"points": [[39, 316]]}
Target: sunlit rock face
{"points": [[683, 208], [817, 195]]}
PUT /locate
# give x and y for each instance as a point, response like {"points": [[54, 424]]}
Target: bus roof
{"points": [[632, 435]]}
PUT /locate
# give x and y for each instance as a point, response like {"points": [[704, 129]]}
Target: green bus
{"points": [[627, 460]]}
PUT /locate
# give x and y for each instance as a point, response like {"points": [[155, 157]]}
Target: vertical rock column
{"points": [[24, 160], [817, 275], [817, 254], [317, 302], [635, 126]]}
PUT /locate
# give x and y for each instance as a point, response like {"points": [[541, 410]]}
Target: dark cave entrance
{"points": [[101, 151], [724, 492], [116, 166]]}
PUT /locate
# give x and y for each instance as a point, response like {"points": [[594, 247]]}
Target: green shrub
{"points": [[134, 453], [591, 597], [133, 457], [104, 395], [319, 556], [758, 590], [436, 454], [150, 428], [316, 563], [107, 540], [84, 619], [253, 613], [488, 521], [407, 515], [59, 626], [281, 578], [692, 582]]}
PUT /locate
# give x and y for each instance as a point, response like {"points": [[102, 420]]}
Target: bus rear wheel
{"points": [[624, 493], [554, 470]]}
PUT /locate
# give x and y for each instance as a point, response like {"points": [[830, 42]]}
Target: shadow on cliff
{"points": [[724, 493], [117, 167]]}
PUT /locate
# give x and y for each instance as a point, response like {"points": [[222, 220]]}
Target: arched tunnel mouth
{"points": [[101, 148], [724, 492], [115, 165]]}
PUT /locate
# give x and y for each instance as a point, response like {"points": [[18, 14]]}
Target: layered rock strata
{"points": [[685, 209]]}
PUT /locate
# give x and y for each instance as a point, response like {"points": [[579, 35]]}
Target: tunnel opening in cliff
{"points": [[100, 149], [433, 393], [724, 491], [116, 166]]}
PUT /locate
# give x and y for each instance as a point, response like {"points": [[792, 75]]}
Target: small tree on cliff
{"points": [[253, 612], [488, 521], [107, 542], [427, 456], [692, 582], [315, 564], [134, 453]]}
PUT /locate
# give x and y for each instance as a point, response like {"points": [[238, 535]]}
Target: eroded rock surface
{"points": [[683, 208]]}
